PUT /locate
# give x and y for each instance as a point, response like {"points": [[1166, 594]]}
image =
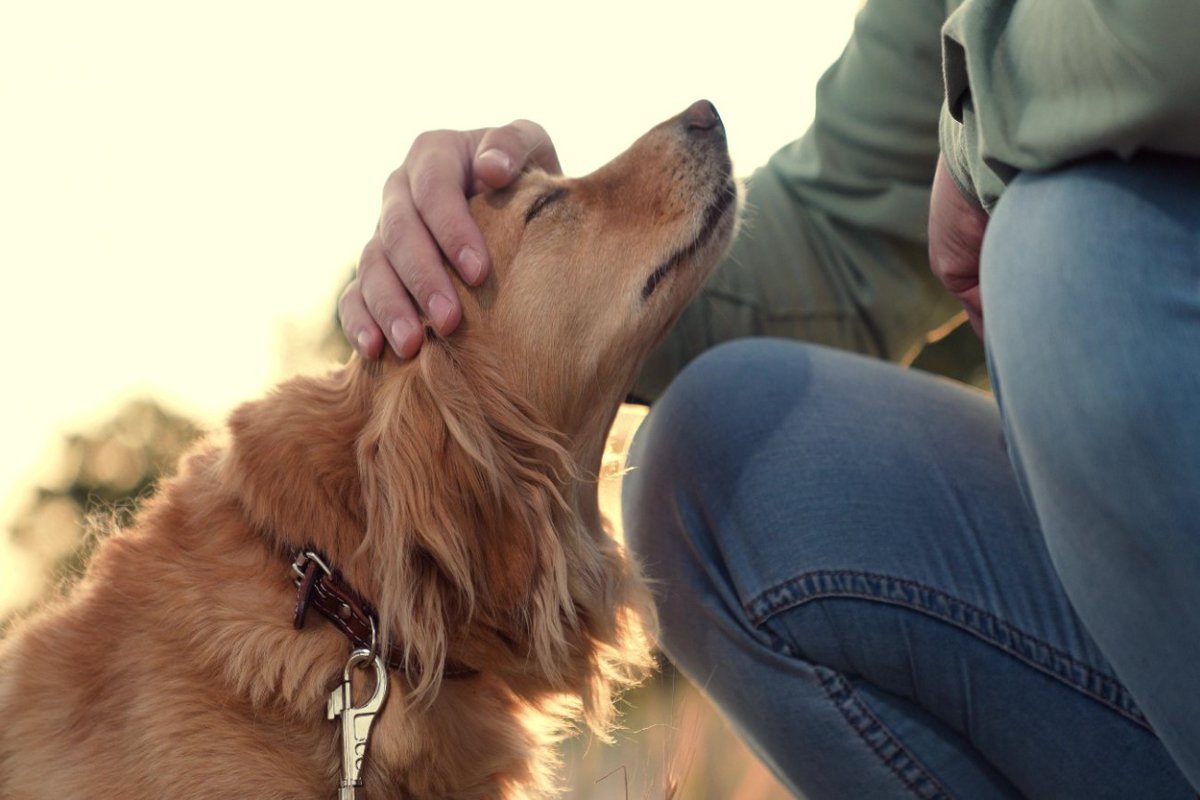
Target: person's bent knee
{"points": [[691, 436]]}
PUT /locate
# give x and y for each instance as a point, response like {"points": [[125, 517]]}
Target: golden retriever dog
{"points": [[438, 513]]}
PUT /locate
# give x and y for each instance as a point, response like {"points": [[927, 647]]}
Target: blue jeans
{"points": [[894, 588]]}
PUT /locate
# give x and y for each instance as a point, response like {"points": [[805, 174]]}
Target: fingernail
{"points": [[497, 157], [401, 329], [364, 343], [439, 311], [470, 265]]}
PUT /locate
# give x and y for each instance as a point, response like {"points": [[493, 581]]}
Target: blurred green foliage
{"points": [[97, 482]]}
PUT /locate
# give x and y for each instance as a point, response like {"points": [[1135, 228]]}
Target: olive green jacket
{"points": [[1035, 84], [833, 247]]}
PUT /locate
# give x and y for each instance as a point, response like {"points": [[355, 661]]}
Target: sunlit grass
{"points": [[672, 744]]}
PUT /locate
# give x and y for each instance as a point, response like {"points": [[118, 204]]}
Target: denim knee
{"points": [[1089, 280], [685, 458], [680, 442]]}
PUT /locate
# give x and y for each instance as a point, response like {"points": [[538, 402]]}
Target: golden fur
{"points": [[457, 492]]}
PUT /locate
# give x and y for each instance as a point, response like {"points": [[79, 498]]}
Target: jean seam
{"points": [[1021, 645], [876, 735]]}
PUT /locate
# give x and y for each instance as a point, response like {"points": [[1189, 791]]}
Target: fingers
{"points": [[409, 266], [437, 177], [425, 223], [379, 294], [503, 153], [360, 329], [424, 216], [957, 225]]}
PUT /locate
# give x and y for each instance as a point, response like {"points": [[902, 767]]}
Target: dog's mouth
{"points": [[714, 215]]}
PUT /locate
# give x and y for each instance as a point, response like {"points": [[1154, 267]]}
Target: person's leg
{"points": [[1091, 287], [843, 562]]}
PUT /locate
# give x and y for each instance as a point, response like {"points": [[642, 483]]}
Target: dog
{"points": [[436, 518]]}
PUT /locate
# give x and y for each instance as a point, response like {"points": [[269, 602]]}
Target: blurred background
{"points": [[185, 187]]}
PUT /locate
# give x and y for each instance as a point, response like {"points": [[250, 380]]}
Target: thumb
{"points": [[505, 152]]}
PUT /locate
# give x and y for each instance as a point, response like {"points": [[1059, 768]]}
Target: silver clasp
{"points": [[356, 720], [302, 561]]}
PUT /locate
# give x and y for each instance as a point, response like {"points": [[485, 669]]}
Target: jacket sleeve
{"points": [[1032, 85], [833, 247]]}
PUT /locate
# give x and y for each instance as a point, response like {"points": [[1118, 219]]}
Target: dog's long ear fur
{"points": [[466, 520]]}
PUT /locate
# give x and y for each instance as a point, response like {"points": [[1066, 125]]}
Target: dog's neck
{"points": [[540, 602], [439, 497], [291, 461]]}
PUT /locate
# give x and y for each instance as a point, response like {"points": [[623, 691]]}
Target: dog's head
{"points": [[480, 460], [476, 461], [591, 272]]}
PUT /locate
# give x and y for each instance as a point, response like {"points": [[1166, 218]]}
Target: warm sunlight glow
{"points": [[176, 180]]}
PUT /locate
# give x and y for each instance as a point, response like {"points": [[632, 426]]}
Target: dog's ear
{"points": [[463, 494], [292, 463]]}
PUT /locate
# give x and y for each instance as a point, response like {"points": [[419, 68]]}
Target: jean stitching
{"points": [[875, 735], [1023, 646]]}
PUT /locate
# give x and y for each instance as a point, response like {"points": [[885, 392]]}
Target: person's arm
{"points": [[833, 248], [1037, 84]]}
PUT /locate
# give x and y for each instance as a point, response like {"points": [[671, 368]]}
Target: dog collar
{"points": [[321, 587]]}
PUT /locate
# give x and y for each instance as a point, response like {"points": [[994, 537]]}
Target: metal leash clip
{"points": [[356, 720], [301, 562]]}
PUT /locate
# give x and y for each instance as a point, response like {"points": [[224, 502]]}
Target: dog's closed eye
{"points": [[542, 202]]}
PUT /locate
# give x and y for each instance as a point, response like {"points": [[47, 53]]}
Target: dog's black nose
{"points": [[701, 115]]}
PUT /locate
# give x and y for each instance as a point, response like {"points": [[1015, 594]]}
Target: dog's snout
{"points": [[701, 116]]}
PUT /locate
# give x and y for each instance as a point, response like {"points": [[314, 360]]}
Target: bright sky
{"points": [[176, 181]]}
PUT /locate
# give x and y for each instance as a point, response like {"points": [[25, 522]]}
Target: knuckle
{"points": [[381, 315], [535, 143], [528, 128], [443, 220], [435, 181], [349, 295], [413, 275], [370, 259], [532, 135], [377, 283], [396, 180], [394, 226], [424, 185], [384, 309], [365, 275], [350, 311], [424, 140], [508, 138], [370, 293], [427, 141]]}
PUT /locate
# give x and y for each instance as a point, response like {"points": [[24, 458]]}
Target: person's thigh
{"points": [[843, 562], [1091, 291]]}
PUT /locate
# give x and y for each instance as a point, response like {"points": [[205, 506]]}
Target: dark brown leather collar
{"points": [[321, 587]]}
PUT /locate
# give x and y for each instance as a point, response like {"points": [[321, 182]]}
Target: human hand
{"points": [[956, 227], [425, 220]]}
